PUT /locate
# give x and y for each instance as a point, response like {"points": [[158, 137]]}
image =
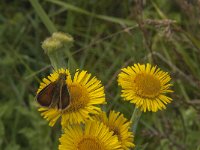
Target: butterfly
{"points": [[56, 94]]}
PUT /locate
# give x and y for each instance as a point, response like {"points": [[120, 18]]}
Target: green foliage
{"points": [[108, 36]]}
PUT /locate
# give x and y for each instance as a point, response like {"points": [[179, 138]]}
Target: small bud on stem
{"points": [[56, 47]]}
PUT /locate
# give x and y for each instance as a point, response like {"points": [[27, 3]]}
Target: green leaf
{"points": [[2, 132], [102, 17], [43, 16]]}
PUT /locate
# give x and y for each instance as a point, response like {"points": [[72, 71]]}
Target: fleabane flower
{"points": [[120, 126], [93, 136], [85, 92], [146, 86]]}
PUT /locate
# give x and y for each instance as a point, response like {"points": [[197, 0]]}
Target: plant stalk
{"points": [[135, 118]]}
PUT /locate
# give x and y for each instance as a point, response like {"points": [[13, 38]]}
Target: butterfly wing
{"points": [[45, 96], [64, 97]]}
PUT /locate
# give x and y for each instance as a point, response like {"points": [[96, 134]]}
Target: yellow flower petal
{"points": [[120, 126]]}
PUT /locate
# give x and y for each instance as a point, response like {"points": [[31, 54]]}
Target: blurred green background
{"points": [[109, 35]]}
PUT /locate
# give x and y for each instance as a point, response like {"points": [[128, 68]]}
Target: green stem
{"points": [[57, 59], [135, 118]]}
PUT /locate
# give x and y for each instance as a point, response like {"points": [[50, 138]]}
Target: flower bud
{"points": [[62, 37], [51, 44]]}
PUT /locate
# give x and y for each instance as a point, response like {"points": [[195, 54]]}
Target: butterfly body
{"points": [[55, 95]]}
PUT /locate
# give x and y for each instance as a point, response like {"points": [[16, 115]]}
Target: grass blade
{"points": [[43, 16], [102, 17]]}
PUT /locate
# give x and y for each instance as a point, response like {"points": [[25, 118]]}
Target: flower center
{"points": [[79, 97], [89, 144], [147, 86]]}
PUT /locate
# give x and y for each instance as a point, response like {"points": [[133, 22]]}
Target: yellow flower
{"points": [[120, 126], [94, 136], [145, 86], [85, 92]]}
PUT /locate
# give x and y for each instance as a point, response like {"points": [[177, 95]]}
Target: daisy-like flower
{"points": [[94, 136], [145, 86], [85, 92], [120, 126]]}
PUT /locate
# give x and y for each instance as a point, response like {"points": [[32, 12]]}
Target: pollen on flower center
{"points": [[79, 97], [89, 144], [147, 86]]}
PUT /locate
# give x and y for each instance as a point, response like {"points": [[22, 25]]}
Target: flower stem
{"points": [[135, 118], [57, 60]]}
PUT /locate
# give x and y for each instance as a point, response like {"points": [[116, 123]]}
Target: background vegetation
{"points": [[165, 33]]}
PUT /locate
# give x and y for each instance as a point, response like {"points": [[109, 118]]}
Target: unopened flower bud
{"points": [[51, 44], [62, 37]]}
